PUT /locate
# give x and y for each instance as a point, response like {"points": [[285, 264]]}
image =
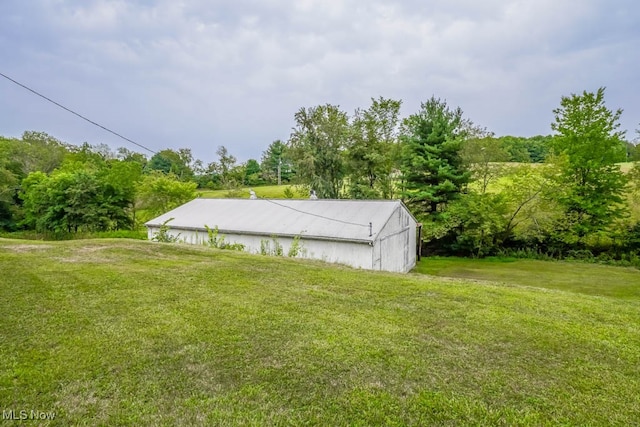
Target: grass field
{"points": [[626, 166], [583, 278], [277, 191], [123, 332], [266, 191]]}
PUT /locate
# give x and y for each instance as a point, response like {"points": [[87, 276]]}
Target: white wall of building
{"points": [[395, 247], [357, 255]]}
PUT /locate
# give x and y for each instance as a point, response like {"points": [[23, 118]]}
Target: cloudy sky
{"points": [[205, 73]]}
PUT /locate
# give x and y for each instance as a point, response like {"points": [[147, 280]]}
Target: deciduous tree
{"points": [[372, 155], [587, 145], [72, 200], [175, 162], [226, 164], [316, 146], [485, 159], [158, 193]]}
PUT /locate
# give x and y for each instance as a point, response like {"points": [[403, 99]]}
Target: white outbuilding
{"points": [[367, 234]]}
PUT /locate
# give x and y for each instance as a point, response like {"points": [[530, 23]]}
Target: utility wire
{"points": [[151, 151], [77, 114], [313, 214]]}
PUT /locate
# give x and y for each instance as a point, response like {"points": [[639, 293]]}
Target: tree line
{"points": [[49, 186], [557, 195], [475, 193]]}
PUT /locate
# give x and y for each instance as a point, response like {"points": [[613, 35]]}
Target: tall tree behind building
{"points": [[433, 170], [316, 147], [372, 155], [587, 146]]}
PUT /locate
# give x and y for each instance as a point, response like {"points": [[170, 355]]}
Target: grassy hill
{"points": [[117, 332]]}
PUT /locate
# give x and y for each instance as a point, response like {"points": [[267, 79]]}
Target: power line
{"points": [[77, 114], [151, 151]]}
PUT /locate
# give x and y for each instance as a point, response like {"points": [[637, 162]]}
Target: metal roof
{"points": [[321, 219]]}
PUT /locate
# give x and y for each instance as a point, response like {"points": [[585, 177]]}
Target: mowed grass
{"points": [[116, 332], [266, 191], [584, 278]]}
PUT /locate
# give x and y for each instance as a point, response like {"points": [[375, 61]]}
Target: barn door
{"points": [[394, 251]]}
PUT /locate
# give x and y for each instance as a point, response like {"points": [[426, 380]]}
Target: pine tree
{"points": [[433, 171]]}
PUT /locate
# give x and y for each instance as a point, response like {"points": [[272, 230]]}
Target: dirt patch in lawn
{"points": [[26, 248]]}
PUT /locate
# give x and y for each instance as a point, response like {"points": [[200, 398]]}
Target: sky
{"points": [[204, 73]]}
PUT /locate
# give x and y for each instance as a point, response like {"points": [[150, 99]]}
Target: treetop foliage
{"points": [[372, 151], [587, 130], [316, 145]]}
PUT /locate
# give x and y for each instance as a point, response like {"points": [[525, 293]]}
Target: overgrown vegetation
{"points": [[267, 249], [296, 248], [217, 240], [163, 235], [114, 332]]}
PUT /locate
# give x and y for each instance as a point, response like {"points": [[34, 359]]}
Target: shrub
{"points": [[216, 240], [266, 249], [277, 247], [295, 248], [163, 234], [288, 192]]}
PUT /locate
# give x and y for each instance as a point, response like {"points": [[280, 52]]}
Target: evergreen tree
{"points": [[276, 159], [433, 171]]}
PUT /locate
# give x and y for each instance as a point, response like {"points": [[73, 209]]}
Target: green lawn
{"points": [[123, 332], [266, 191], [590, 279]]}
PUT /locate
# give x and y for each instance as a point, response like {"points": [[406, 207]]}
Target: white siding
{"points": [[357, 255], [395, 249]]}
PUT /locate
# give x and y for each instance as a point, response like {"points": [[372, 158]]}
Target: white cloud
{"points": [[102, 15]]}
